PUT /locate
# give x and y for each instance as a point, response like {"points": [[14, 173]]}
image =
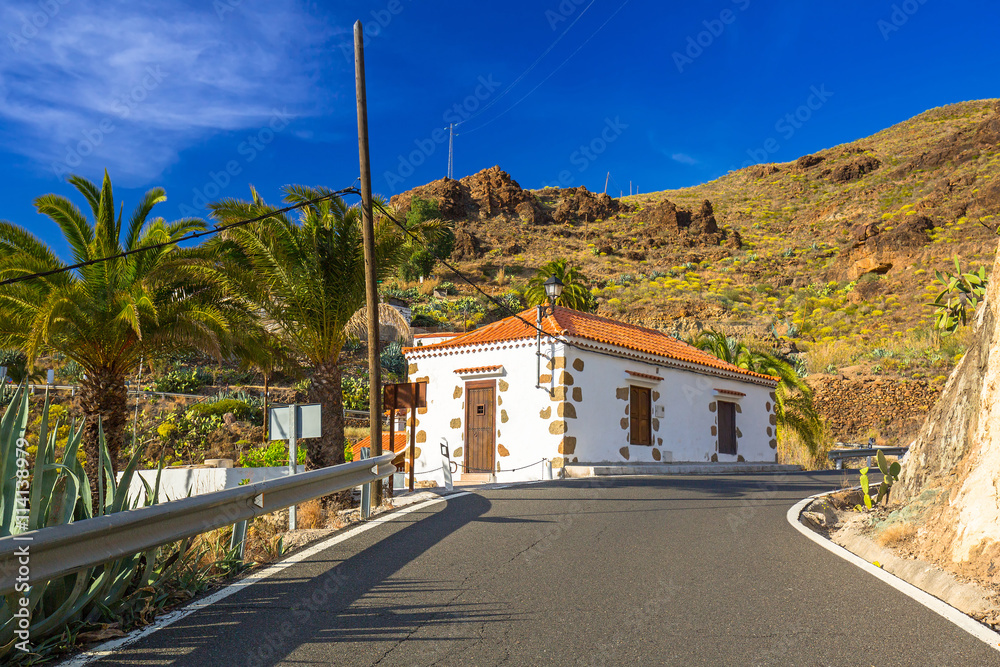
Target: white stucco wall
{"points": [[685, 431], [520, 431], [578, 416]]}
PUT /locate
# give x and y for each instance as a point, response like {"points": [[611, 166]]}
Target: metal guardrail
{"points": [[60, 550], [839, 455]]}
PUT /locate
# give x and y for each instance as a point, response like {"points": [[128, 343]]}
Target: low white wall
{"points": [[178, 483]]}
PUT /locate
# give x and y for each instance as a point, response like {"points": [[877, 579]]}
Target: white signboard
{"points": [[307, 421]]}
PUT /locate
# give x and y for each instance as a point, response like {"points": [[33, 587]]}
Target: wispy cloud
{"points": [[683, 158], [129, 85]]}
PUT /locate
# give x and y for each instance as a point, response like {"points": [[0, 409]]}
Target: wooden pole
{"points": [[391, 400], [413, 444], [368, 232]]}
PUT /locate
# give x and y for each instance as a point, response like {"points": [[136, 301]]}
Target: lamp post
{"points": [[553, 289]]}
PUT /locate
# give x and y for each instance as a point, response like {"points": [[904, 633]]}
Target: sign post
{"points": [[446, 465], [406, 396], [292, 423]]}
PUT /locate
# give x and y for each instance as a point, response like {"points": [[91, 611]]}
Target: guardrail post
{"points": [[239, 539], [366, 489]]}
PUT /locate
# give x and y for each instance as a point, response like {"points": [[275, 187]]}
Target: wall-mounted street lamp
{"points": [[553, 289]]}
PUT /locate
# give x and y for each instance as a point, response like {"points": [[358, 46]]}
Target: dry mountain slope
{"points": [[834, 253]]}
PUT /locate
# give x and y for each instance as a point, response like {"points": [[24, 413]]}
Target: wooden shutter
{"points": [[640, 431], [727, 427]]}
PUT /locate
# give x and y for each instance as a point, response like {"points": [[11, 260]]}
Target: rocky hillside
{"points": [[832, 255], [948, 487]]}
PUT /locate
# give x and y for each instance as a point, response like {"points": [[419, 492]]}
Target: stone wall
{"points": [[855, 407]]}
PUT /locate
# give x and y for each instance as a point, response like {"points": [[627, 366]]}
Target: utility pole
{"points": [[368, 233], [451, 150], [606, 179]]}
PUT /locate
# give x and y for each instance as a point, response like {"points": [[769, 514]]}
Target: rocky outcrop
{"points": [[854, 407], [957, 455], [581, 205], [855, 169], [490, 193], [664, 224], [876, 249]]}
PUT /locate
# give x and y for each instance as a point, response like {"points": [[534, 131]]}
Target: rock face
{"points": [[665, 224], [852, 407], [490, 193], [875, 250], [957, 454]]}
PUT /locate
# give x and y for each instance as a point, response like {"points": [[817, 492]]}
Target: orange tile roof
{"points": [[576, 324], [440, 334], [730, 392], [399, 444], [477, 369]]}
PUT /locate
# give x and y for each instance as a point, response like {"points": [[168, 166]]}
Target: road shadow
{"points": [[263, 623]]}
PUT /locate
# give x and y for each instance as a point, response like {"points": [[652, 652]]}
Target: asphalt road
{"points": [[682, 570]]}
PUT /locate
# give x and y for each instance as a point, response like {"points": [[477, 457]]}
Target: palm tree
{"points": [[107, 315], [306, 277], [794, 405], [575, 294]]}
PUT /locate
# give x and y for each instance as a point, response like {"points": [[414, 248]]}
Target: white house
{"points": [[590, 390]]}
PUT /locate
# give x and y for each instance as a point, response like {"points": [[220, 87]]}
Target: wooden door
{"points": [[480, 426], [640, 431], [727, 427]]}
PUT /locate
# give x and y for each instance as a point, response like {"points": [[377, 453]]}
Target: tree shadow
{"points": [[312, 601]]}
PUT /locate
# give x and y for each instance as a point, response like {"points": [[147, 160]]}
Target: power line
{"points": [[189, 237], [550, 75], [532, 66]]}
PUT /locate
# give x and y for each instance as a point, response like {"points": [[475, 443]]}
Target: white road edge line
{"points": [[108, 648], [962, 620]]}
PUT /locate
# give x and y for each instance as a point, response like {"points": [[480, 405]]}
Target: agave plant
{"points": [[60, 493]]}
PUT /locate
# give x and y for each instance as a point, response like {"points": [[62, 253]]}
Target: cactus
{"points": [[865, 490], [890, 474]]}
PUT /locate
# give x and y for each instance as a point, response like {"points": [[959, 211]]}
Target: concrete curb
{"points": [[606, 469], [938, 606]]}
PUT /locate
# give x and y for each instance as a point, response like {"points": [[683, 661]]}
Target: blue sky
{"points": [[205, 98]]}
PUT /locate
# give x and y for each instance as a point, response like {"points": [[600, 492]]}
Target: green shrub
{"points": [[182, 382], [355, 393], [272, 456], [241, 410]]}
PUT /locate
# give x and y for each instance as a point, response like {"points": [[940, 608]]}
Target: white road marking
{"points": [[110, 647], [962, 620]]}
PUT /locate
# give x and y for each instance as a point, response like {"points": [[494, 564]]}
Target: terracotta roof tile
{"points": [[477, 369], [399, 444], [575, 324], [730, 392]]}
